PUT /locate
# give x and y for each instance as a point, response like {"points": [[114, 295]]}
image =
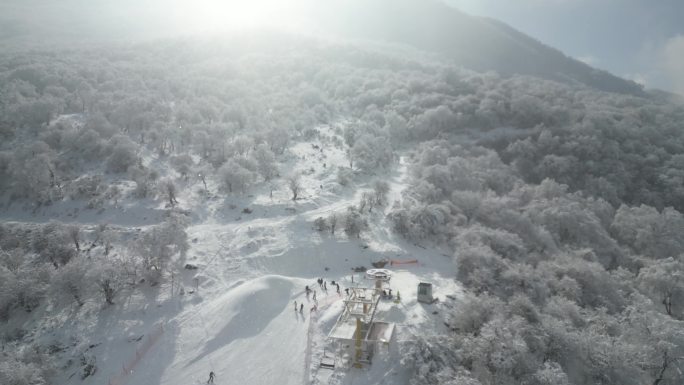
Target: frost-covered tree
{"points": [[423, 222], [350, 135], [183, 164], [26, 364], [380, 189], [108, 275], [501, 353], [242, 144], [294, 183], [475, 311], [266, 162], [203, 143], [664, 280], [397, 127], [468, 202], [51, 242], [660, 341], [371, 153], [144, 183], [234, 176], [345, 176], [367, 202], [157, 245], [432, 122], [32, 171], [8, 296], [434, 361], [320, 224], [123, 153], [202, 172], [647, 231], [23, 281], [277, 139], [479, 267], [70, 281], [551, 374], [354, 222], [168, 189], [332, 222], [75, 234]]}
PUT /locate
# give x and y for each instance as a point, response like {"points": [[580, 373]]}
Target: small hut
{"points": [[425, 293]]}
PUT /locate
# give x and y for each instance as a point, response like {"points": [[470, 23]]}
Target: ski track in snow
{"points": [[252, 266]]}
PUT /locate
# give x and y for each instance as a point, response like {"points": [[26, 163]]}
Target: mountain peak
{"points": [[478, 43]]}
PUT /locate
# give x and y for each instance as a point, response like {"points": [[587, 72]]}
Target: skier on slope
{"points": [[211, 378]]}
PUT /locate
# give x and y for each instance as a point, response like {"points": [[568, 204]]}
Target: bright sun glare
{"points": [[217, 15]]}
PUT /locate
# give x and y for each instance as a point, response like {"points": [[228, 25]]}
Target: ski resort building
{"points": [[358, 334], [425, 293]]}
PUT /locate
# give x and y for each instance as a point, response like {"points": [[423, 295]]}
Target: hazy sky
{"points": [[639, 39], [642, 40]]}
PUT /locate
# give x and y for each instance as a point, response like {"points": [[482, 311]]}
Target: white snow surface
{"points": [[236, 316]]}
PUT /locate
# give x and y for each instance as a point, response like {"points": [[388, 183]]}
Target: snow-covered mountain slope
{"points": [[234, 315], [553, 202]]}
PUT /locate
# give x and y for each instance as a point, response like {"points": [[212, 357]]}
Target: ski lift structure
{"points": [[358, 334]]}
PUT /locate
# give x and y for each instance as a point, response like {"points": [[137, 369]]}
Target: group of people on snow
{"points": [[301, 307], [324, 285]]}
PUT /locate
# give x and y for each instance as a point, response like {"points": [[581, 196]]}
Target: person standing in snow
{"points": [[211, 378], [301, 308], [325, 286], [338, 288], [295, 305], [314, 296]]}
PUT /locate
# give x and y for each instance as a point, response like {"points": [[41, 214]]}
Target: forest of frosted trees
{"points": [[561, 205]]}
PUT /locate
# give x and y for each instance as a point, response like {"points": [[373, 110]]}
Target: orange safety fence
{"points": [[127, 367], [403, 262]]}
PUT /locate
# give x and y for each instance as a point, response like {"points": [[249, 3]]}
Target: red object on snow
{"points": [[404, 262]]}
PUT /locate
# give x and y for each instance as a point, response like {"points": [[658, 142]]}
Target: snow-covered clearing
{"points": [[236, 316]]}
